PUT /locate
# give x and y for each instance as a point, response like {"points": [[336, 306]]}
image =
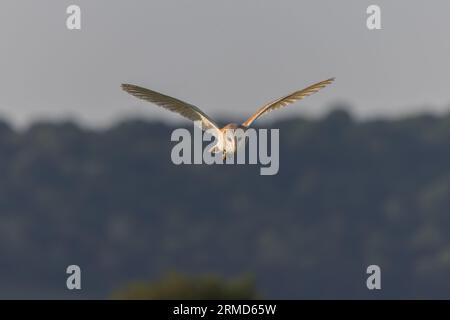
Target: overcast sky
{"points": [[226, 57]]}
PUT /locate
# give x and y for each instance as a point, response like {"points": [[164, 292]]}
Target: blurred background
{"points": [[86, 176]]}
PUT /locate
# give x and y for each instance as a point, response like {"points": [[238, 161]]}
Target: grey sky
{"points": [[226, 57]]}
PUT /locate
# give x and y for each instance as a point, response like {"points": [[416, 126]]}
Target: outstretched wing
{"points": [[284, 101], [182, 108]]}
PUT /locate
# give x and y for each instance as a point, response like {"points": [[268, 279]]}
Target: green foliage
{"points": [[348, 194], [178, 286]]}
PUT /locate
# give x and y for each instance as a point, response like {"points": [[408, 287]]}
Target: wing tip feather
{"points": [[127, 86]]}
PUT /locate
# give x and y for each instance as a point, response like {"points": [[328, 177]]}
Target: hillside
{"points": [[348, 194]]}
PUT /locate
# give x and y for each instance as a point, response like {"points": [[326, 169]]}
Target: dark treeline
{"points": [[348, 194]]}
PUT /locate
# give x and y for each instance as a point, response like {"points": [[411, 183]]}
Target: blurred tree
{"points": [[349, 193], [180, 286]]}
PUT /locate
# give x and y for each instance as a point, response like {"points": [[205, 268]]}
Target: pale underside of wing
{"points": [[184, 109], [284, 101]]}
